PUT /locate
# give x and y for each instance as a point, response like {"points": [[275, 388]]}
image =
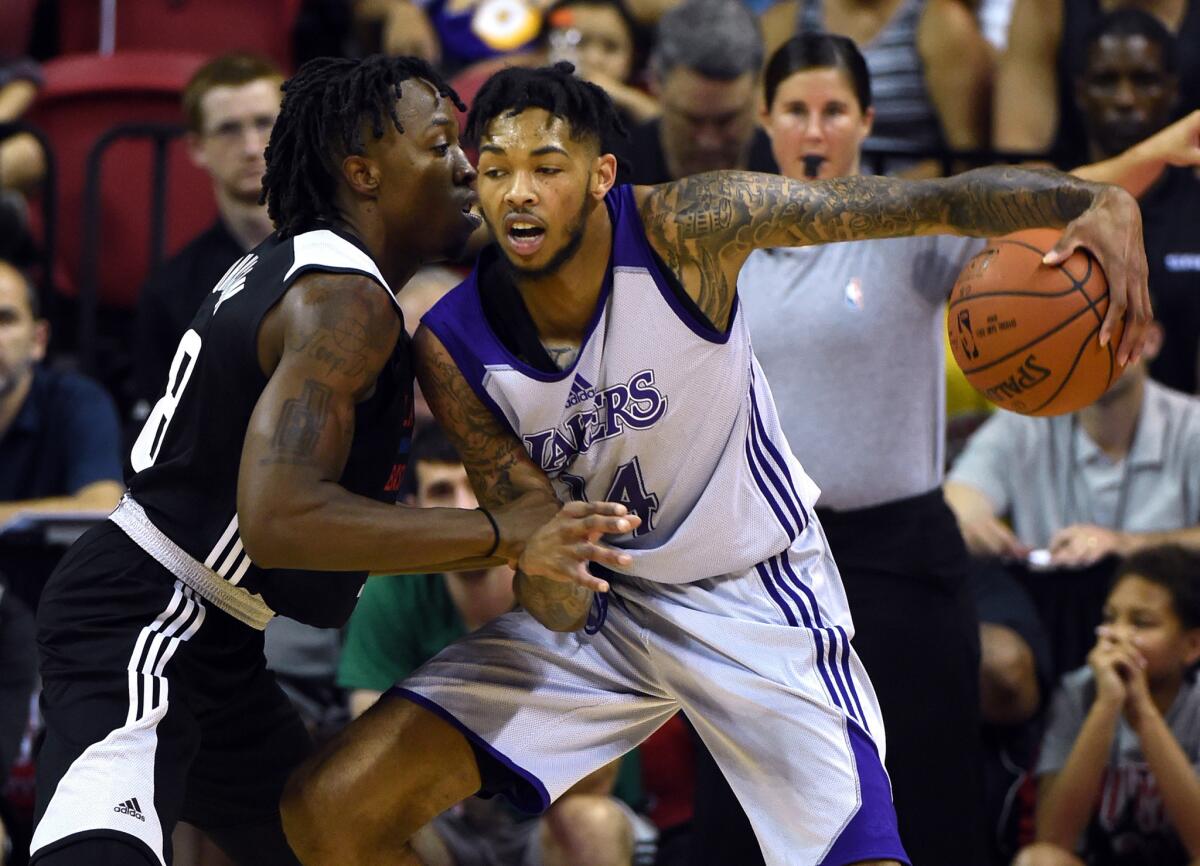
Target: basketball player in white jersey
{"points": [[599, 348]]}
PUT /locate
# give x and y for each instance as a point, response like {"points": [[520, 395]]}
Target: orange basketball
{"points": [[1026, 334]]}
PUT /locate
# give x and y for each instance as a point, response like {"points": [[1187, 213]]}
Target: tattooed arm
{"points": [[552, 582], [704, 227], [323, 347]]}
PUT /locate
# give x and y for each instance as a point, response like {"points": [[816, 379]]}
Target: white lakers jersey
{"points": [[659, 412]]}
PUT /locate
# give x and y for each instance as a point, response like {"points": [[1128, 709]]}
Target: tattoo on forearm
{"points": [[300, 424], [492, 457], [555, 604], [704, 226]]}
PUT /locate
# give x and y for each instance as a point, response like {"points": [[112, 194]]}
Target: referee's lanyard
{"points": [[1072, 512]]}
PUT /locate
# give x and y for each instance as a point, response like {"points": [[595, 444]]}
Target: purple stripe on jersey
{"points": [[783, 466], [788, 529], [845, 687], [631, 249], [871, 833], [816, 633], [849, 679], [774, 593], [792, 502], [533, 799]]}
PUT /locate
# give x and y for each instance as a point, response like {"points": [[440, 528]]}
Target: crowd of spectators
{"points": [[1032, 625]]}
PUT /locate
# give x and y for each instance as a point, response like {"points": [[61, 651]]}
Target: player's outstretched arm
{"points": [[704, 227], [502, 472]]}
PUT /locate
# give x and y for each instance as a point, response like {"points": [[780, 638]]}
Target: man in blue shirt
{"points": [[59, 436]]}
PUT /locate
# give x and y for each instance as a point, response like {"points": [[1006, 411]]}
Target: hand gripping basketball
{"points": [[1111, 230]]}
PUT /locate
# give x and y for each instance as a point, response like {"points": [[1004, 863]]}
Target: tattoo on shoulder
{"points": [[706, 225], [298, 430], [353, 329]]}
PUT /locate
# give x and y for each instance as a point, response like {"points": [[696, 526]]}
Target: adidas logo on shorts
{"points": [[130, 808]]}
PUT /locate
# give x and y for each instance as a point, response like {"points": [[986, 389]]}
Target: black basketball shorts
{"points": [[158, 707]]}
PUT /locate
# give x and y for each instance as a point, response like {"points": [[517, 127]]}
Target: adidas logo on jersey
{"points": [[130, 808], [581, 389]]}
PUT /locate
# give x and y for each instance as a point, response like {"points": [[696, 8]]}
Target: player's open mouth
{"points": [[525, 235]]}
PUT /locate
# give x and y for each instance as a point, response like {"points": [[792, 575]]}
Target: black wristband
{"points": [[495, 533]]}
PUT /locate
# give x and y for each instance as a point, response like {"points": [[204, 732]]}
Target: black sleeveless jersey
{"points": [[185, 460]]}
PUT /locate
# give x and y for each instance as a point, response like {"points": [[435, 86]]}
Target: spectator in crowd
{"points": [[401, 622], [606, 46], [706, 80], [22, 163], [1116, 477], [229, 106], [18, 677], [1126, 92], [931, 69], [1034, 107], [59, 441], [1119, 771], [1119, 476], [455, 35]]}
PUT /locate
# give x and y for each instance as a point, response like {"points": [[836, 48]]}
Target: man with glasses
{"points": [[229, 106]]}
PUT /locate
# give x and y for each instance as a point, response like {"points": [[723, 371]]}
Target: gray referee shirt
{"points": [[850, 336], [1046, 473]]}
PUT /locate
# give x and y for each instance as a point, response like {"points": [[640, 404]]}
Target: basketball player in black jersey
{"points": [[265, 482]]}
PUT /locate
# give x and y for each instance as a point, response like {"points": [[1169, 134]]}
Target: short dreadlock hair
{"points": [[585, 107], [325, 107]]}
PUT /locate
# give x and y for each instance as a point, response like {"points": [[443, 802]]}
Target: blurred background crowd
{"points": [[1024, 589]]}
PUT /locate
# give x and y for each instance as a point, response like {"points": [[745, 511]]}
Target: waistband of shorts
{"points": [[241, 604]]}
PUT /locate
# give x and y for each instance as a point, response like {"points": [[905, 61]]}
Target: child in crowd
{"points": [[1119, 773]]}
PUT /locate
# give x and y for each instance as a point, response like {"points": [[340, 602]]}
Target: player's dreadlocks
{"points": [[325, 106], [585, 107]]}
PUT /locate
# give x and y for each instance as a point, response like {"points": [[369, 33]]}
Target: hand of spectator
{"points": [[986, 535], [561, 549], [1123, 656], [1115, 664], [1111, 230], [1177, 144], [1084, 544], [407, 30]]}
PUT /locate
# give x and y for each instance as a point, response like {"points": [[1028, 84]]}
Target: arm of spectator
{"points": [[1067, 797], [1178, 781], [1139, 167], [1084, 544], [15, 98], [97, 496], [778, 23], [958, 71], [1025, 106], [984, 533], [638, 104]]}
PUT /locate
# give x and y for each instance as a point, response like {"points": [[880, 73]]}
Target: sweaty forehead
{"points": [[419, 105], [532, 129]]}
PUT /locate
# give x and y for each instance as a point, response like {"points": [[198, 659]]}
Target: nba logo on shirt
{"points": [[854, 294]]}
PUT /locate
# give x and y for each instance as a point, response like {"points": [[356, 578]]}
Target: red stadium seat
{"points": [[16, 25], [204, 26], [84, 97]]}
